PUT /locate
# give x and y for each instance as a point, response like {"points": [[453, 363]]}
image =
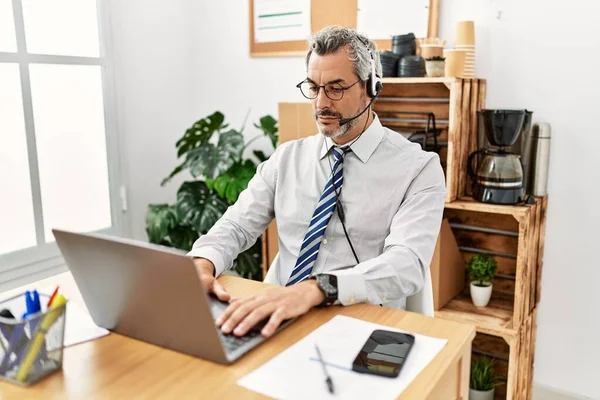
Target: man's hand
{"points": [[280, 304], [206, 271]]}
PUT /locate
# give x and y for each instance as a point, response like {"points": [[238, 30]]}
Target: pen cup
{"points": [[31, 347]]}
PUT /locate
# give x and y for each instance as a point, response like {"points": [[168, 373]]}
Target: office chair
{"points": [[421, 302]]}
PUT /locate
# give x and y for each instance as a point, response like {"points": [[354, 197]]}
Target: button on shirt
{"points": [[393, 200]]}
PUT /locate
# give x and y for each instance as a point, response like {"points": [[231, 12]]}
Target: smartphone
{"points": [[384, 353]]}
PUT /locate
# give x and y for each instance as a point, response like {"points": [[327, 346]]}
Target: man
{"points": [[358, 206]]}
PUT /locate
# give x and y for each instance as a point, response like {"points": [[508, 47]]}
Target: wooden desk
{"points": [[117, 367]]}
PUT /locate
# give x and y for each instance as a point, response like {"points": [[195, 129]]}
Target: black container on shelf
{"points": [[412, 66], [404, 45], [389, 63]]}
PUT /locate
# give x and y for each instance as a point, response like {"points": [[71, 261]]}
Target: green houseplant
{"points": [[483, 379], [214, 156], [482, 269]]}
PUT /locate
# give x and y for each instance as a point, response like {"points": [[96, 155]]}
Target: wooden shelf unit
{"points": [[454, 103], [513, 357], [512, 235], [506, 328]]}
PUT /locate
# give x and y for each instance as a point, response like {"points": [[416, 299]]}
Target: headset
{"points": [[374, 86], [374, 83]]}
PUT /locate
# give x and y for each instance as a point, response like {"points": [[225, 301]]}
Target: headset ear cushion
{"points": [[370, 86], [378, 86]]}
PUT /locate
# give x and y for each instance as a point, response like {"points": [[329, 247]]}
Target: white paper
{"points": [[382, 19], [79, 326], [281, 20], [297, 374]]}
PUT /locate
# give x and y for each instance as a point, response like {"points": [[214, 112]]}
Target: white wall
{"points": [[154, 75], [228, 79], [180, 60]]}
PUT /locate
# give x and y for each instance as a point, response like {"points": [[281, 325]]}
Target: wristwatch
{"points": [[328, 285]]}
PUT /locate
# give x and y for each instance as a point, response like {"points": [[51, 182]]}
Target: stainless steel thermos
{"points": [[540, 158]]}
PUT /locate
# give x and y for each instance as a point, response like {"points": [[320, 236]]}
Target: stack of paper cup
{"points": [[455, 62], [465, 40]]}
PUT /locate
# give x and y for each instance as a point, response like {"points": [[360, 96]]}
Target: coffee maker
{"points": [[497, 172]]}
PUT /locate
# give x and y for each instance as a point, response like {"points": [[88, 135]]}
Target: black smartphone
{"points": [[384, 353]]}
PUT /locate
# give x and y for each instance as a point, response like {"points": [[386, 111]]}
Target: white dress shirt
{"points": [[393, 199]]}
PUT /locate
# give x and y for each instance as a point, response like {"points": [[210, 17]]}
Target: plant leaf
{"points": [[210, 183], [198, 207], [212, 161], [231, 142], [483, 376], [200, 158], [248, 263], [177, 170], [260, 155], [221, 185], [183, 237], [200, 132], [160, 218], [233, 190], [236, 180], [268, 125], [482, 268]]}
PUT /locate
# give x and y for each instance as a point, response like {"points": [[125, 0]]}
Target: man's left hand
{"points": [[280, 304]]}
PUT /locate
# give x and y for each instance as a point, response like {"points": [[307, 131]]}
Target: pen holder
{"points": [[32, 347]]}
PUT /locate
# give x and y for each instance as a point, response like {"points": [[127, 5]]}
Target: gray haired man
{"points": [[358, 206]]}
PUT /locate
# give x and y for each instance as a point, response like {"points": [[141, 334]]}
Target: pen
{"points": [[328, 380], [52, 296], [38, 339]]}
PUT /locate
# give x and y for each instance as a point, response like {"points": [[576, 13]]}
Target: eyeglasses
{"points": [[335, 91]]}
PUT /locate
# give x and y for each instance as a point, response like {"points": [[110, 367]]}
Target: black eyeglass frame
{"points": [[323, 87]]}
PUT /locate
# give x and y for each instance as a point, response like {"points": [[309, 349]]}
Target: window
{"points": [[58, 166]]}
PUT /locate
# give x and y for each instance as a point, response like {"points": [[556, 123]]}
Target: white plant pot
{"points": [[435, 69], [478, 395], [481, 294]]}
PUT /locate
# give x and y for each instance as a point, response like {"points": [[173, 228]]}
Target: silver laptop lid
{"points": [[148, 292]]}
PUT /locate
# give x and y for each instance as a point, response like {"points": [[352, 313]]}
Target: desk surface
{"points": [[119, 367]]}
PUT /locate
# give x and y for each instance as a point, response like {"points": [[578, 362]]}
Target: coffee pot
{"points": [[496, 173]]}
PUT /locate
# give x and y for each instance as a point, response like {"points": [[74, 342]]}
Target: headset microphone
{"points": [[344, 121]]}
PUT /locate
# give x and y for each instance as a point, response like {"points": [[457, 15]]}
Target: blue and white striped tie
{"points": [[316, 229]]}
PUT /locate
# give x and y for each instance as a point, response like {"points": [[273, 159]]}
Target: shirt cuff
{"points": [[351, 287], [212, 255]]}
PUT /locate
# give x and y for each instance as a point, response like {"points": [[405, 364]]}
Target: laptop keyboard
{"points": [[232, 342]]}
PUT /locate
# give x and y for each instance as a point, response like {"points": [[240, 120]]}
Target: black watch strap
{"points": [[328, 285]]}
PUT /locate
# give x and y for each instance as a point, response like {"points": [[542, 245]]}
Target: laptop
{"points": [[151, 293]]}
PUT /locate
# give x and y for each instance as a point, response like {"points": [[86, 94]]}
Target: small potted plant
{"points": [[435, 66], [482, 269], [483, 379]]}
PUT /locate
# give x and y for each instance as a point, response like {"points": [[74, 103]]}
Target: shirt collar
{"points": [[364, 146]]}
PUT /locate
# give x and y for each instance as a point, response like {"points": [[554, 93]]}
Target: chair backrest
{"points": [[422, 302], [270, 276]]}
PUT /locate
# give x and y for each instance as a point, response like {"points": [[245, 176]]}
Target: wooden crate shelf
{"points": [[495, 319], [512, 235], [513, 357], [454, 103]]}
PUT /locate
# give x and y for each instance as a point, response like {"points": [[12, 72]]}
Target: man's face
{"points": [[335, 68]]}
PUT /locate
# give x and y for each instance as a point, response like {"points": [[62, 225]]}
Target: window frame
{"points": [[44, 259]]}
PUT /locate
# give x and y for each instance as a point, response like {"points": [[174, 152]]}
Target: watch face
{"points": [[325, 284]]}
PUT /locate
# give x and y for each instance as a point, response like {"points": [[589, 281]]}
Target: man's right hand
{"points": [[206, 271]]}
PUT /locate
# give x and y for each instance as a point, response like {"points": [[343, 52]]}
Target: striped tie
{"points": [[316, 229]]}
